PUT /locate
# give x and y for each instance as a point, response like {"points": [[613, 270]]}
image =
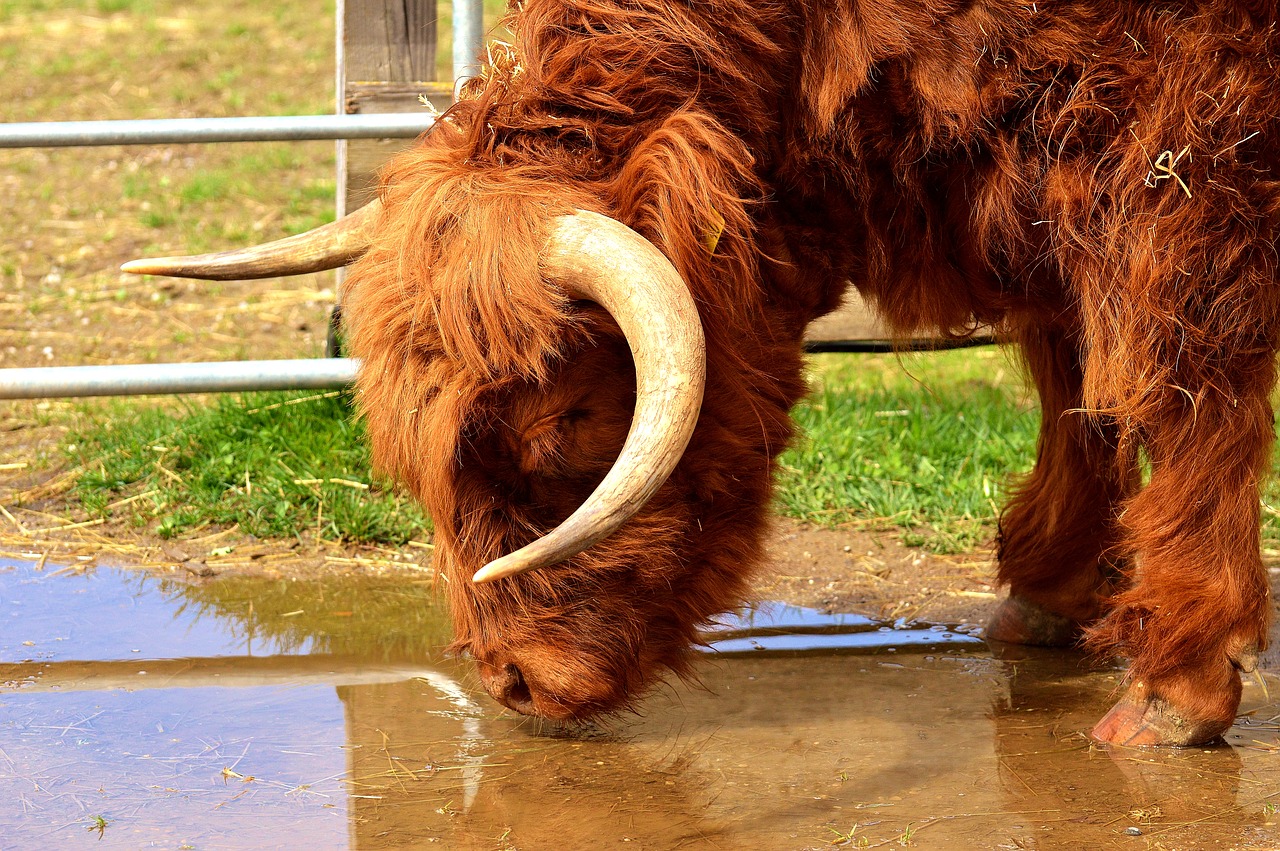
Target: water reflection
{"points": [[1213, 797], [251, 713]]}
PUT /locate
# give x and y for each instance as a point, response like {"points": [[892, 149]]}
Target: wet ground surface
{"points": [[247, 713]]}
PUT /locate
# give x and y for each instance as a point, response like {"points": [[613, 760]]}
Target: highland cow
{"points": [[1097, 179]]}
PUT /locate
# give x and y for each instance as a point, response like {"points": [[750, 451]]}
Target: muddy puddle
{"points": [[140, 712]]}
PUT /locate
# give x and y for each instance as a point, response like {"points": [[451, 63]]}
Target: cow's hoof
{"points": [[1142, 718], [1019, 621]]}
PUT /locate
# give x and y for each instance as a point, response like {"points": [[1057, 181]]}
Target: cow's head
{"points": [[533, 371]]}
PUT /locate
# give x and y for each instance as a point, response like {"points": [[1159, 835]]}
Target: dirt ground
{"points": [[872, 573]]}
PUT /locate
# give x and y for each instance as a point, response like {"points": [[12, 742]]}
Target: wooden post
{"points": [[386, 63]]}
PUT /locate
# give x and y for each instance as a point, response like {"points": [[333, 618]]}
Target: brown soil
{"points": [[872, 573]]}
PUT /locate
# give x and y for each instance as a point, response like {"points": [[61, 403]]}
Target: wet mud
{"points": [[137, 711]]}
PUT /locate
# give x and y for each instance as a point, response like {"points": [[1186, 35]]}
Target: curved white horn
{"points": [[602, 260], [326, 247]]}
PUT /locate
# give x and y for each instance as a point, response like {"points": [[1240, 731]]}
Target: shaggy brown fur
{"points": [[1095, 177]]}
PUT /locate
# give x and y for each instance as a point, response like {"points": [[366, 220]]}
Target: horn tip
{"points": [[498, 569], [155, 266]]}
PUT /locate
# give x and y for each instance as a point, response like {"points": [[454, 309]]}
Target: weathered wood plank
{"points": [[853, 321], [368, 98], [386, 59], [389, 40], [856, 321]]}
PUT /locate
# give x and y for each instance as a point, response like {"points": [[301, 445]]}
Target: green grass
{"points": [[927, 444], [278, 465], [105, 7], [197, 201], [924, 442]]}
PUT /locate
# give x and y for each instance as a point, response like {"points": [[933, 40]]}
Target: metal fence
{"points": [[178, 131], [151, 379], [141, 379]]}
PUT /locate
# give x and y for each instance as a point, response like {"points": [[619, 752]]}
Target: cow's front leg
{"points": [[1057, 531], [1197, 611]]}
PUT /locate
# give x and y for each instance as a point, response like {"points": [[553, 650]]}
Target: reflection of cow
{"points": [[1187, 797], [1096, 178]]}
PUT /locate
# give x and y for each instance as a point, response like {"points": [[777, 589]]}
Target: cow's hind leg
{"points": [[1058, 529], [1197, 610]]}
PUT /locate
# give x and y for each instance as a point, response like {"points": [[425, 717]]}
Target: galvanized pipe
{"points": [[176, 131], [895, 347], [310, 374], [468, 40], [163, 378]]}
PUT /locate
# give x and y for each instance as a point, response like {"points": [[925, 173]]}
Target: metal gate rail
{"points": [[309, 374], [164, 378], [178, 131]]}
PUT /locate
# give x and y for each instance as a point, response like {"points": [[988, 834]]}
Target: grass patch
{"points": [[925, 442], [276, 464], [928, 443]]}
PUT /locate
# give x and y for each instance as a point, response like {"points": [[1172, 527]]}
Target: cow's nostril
{"points": [[518, 696], [506, 684]]}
